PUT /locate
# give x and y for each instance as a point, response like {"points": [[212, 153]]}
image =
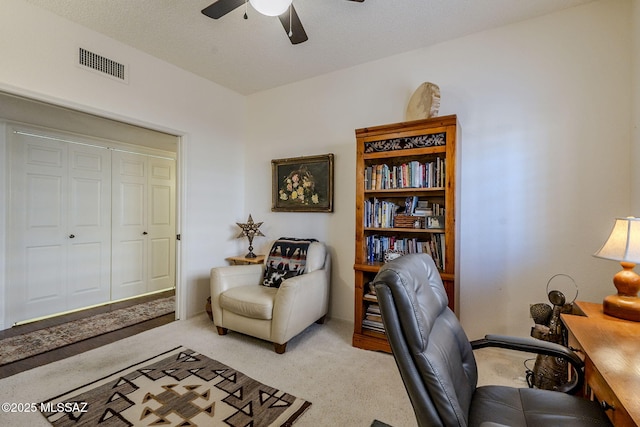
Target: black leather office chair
{"points": [[437, 365]]}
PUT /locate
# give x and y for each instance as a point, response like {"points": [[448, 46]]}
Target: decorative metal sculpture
{"points": [[250, 230], [550, 373]]}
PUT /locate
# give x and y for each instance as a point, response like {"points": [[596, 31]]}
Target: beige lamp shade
{"points": [[624, 241]]}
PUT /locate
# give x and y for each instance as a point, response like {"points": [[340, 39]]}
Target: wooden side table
{"points": [[241, 260]]}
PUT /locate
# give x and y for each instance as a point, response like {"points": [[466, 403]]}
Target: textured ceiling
{"points": [[252, 55]]}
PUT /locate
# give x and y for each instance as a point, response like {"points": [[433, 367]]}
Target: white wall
{"points": [[38, 57], [545, 154]]}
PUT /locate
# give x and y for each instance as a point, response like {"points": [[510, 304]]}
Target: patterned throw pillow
{"points": [[287, 258]]}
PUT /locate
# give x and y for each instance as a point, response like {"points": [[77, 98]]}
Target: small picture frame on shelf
{"points": [[391, 254], [435, 222], [302, 184]]}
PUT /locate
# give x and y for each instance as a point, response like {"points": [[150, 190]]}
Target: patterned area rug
{"points": [[43, 340], [178, 388]]}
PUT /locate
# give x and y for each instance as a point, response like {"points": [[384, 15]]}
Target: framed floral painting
{"points": [[303, 184]]}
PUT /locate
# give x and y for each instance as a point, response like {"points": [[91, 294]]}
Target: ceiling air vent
{"points": [[104, 65]]}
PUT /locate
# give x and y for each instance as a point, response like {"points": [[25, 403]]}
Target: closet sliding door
{"points": [[59, 254], [87, 224], [143, 224]]}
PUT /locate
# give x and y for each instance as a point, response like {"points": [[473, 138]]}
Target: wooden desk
{"points": [[241, 260], [611, 350]]}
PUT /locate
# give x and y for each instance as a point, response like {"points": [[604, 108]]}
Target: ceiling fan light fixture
{"points": [[271, 7]]}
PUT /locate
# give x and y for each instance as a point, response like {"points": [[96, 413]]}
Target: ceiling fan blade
{"points": [[221, 7], [293, 27]]}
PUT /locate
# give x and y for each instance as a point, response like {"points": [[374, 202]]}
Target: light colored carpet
{"points": [[348, 386]]}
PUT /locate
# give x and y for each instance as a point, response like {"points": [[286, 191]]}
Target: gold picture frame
{"points": [[302, 184]]}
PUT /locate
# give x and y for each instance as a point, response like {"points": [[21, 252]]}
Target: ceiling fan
{"points": [[283, 9]]}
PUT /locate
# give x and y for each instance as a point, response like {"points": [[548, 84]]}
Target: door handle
{"points": [[71, 236]]}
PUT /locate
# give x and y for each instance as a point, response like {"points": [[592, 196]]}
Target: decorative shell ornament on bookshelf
{"points": [[391, 254], [424, 103]]}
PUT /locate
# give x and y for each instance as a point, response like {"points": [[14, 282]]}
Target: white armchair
{"points": [[241, 303]]}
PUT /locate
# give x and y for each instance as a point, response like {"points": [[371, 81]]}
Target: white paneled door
{"points": [[60, 226], [143, 224], [87, 224]]}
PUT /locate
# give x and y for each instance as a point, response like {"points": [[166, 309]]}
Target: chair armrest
{"points": [[224, 278], [300, 301], [532, 345]]}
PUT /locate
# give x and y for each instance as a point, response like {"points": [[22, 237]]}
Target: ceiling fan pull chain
{"points": [[290, 19], [245, 9]]}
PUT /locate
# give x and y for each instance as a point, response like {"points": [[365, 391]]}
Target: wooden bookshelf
{"points": [[398, 163]]}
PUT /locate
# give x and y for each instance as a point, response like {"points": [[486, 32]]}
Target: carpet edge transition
{"points": [[50, 338]]}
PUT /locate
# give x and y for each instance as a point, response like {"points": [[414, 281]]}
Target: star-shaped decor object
{"points": [[251, 230]]}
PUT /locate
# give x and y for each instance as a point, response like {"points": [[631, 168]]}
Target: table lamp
{"points": [[623, 245]]}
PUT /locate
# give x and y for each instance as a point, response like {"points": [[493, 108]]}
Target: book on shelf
{"points": [[373, 319], [373, 309], [369, 296], [373, 326], [380, 213], [410, 204], [412, 174], [422, 208], [377, 245]]}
